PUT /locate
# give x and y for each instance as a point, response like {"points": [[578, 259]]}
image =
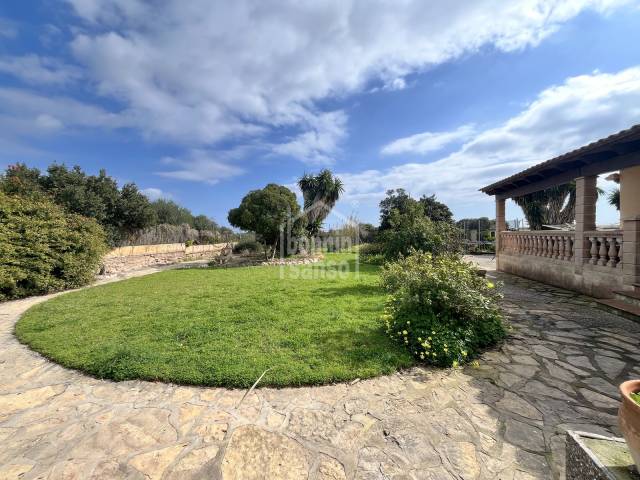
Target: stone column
{"points": [[586, 197], [631, 251], [629, 192], [501, 226]]}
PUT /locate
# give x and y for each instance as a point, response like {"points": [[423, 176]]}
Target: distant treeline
{"points": [[126, 214]]}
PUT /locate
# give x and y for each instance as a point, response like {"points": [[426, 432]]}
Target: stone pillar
{"points": [[501, 226], [629, 193], [631, 251], [586, 197]]}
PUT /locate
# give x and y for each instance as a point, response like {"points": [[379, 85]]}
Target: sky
{"points": [[203, 101]]}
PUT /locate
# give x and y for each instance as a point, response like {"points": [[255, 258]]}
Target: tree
{"points": [[397, 200], [412, 230], [265, 212], [21, 180], [202, 222], [434, 210], [119, 211], [134, 212], [613, 198], [553, 206], [170, 213], [320, 193]]}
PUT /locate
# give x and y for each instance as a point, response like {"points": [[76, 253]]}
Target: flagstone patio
{"points": [[504, 418]]}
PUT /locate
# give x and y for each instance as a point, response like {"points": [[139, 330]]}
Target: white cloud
{"points": [[154, 193], [25, 113], [34, 69], [203, 71], [426, 142], [563, 117], [200, 166], [320, 142]]}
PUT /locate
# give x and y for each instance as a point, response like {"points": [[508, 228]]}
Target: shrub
{"points": [[440, 308], [248, 247], [416, 232], [372, 253], [44, 249]]}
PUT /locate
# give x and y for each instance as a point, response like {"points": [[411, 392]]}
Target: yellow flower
{"points": [[419, 339], [490, 285], [404, 332], [429, 338]]}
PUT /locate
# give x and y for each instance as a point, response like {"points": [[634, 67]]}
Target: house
{"points": [[602, 263]]}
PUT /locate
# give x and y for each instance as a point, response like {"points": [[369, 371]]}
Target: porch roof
{"points": [[617, 151]]}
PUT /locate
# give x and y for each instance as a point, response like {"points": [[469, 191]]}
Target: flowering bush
{"points": [[440, 309]]}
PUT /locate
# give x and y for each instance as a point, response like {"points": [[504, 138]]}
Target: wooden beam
{"points": [[595, 168]]}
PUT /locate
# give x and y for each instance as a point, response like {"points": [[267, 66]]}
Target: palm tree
{"points": [[320, 193], [614, 198], [554, 206]]}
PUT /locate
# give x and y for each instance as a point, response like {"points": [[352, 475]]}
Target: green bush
{"points": [[44, 249], [372, 253], [409, 232], [440, 308], [250, 246]]}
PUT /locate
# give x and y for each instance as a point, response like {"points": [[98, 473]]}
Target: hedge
{"points": [[44, 249]]}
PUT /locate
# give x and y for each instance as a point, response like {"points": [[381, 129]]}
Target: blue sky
{"points": [[202, 102]]}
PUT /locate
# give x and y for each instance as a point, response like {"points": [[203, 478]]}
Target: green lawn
{"points": [[222, 327]]}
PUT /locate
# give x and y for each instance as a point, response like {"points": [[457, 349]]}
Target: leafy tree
{"points": [[482, 223], [412, 230], [134, 212], [397, 200], [265, 212], [119, 211], [434, 210], [21, 180], [202, 222], [170, 213], [320, 193]]}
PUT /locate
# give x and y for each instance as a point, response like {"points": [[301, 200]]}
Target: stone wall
{"points": [[125, 259], [595, 280]]}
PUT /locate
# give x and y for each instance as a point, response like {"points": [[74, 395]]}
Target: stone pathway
{"points": [[502, 419]]}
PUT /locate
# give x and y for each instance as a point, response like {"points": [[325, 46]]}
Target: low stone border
{"points": [[293, 261]]}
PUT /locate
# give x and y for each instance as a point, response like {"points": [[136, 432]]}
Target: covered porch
{"points": [[599, 263]]}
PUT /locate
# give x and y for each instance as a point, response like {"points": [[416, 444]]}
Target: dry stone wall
{"points": [[125, 259]]}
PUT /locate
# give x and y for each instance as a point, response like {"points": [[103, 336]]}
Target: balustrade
{"points": [[605, 248], [557, 245]]}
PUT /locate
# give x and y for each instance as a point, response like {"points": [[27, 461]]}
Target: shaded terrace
{"points": [[600, 263]]}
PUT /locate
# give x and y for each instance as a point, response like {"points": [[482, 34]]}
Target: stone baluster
{"points": [[547, 246], [536, 245], [613, 252], [568, 251], [561, 246], [556, 246], [620, 242], [603, 251], [594, 250]]}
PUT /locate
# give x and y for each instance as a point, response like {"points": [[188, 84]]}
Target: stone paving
{"points": [[501, 419]]}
